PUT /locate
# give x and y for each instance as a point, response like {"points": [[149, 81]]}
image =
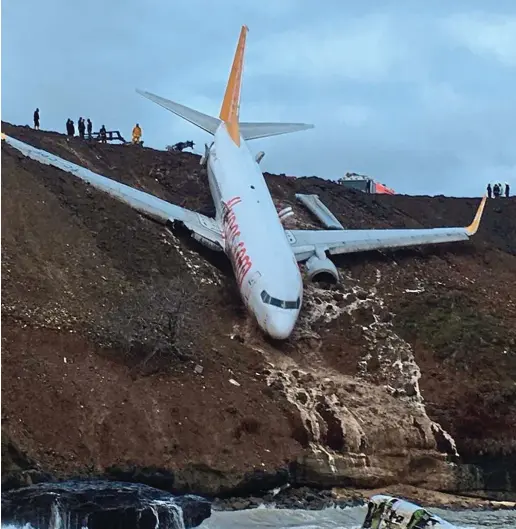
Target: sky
{"points": [[419, 95]]}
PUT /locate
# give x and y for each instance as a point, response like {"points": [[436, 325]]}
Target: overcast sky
{"points": [[420, 95]]}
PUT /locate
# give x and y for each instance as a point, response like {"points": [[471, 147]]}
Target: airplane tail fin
{"points": [[230, 110], [230, 105]]}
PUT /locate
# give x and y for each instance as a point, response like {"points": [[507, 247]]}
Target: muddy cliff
{"points": [[126, 352]]}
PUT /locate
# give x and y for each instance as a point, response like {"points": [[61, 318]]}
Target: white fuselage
{"points": [[264, 264]]}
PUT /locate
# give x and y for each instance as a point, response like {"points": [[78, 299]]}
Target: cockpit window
{"points": [[279, 302]]}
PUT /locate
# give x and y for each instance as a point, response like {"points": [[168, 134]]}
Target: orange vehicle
{"points": [[381, 188]]}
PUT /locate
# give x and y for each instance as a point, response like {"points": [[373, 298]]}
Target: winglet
{"points": [[229, 111], [473, 227]]}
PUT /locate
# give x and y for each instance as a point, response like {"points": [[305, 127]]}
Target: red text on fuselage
{"points": [[234, 246]]}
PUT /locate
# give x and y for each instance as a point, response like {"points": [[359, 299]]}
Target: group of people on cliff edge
{"points": [[81, 126], [497, 190], [86, 127]]}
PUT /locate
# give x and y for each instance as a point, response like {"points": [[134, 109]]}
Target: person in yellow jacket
{"points": [[137, 133]]}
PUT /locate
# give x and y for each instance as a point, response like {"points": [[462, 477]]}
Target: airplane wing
{"points": [[306, 242], [252, 131], [205, 229]]}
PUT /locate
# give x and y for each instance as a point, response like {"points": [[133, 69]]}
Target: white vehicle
{"points": [[387, 512], [247, 226]]}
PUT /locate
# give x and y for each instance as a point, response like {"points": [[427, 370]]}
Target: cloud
{"points": [[352, 115], [421, 99], [487, 35], [362, 48]]}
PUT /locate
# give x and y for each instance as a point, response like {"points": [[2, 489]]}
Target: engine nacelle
{"points": [[285, 213], [321, 270]]}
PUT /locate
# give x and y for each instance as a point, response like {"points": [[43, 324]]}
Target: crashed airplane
{"points": [[388, 512], [247, 227]]}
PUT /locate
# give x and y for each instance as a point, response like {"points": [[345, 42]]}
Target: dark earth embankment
{"points": [[121, 343]]}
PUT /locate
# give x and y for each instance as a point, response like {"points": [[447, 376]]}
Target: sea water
{"points": [[345, 518]]}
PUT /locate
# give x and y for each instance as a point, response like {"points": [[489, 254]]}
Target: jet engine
{"points": [[285, 213], [321, 269]]}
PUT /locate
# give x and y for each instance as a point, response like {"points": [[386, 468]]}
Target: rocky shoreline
{"points": [[288, 487], [254, 493], [313, 499], [97, 502]]}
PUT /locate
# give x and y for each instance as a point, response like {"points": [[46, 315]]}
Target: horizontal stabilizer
{"points": [[203, 121], [252, 131]]}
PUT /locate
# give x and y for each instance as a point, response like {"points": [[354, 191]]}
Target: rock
{"points": [[410, 390], [238, 505], [102, 504], [24, 478]]}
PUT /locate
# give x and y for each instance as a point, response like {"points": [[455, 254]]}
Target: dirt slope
{"points": [[122, 342]]}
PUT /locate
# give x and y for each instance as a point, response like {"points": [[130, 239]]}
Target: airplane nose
{"points": [[280, 325]]}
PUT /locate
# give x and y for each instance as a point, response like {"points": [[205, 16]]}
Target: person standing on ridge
{"points": [[90, 128], [36, 119], [496, 190], [507, 190], [137, 133], [102, 134], [489, 191], [81, 126]]}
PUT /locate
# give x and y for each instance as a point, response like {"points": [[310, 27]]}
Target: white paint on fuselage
{"points": [[255, 231]]}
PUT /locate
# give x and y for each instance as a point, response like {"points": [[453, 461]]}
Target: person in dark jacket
{"points": [[82, 127], [90, 127], [68, 128], [507, 190], [102, 134], [36, 119], [496, 190], [489, 191]]}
